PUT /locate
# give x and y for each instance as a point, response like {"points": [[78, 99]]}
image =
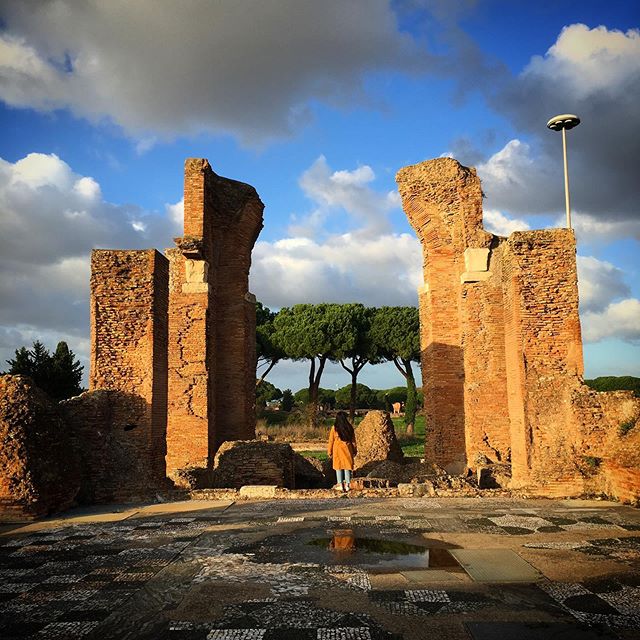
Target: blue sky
{"points": [[317, 105]]}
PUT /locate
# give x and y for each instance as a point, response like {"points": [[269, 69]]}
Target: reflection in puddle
{"points": [[344, 547]]}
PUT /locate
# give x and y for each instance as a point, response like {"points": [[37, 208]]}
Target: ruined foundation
{"points": [[502, 349]]}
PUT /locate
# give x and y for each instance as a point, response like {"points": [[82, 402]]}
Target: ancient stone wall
{"points": [[460, 315], [211, 318], [252, 462], [117, 461], [39, 471], [179, 332], [129, 341], [501, 346]]}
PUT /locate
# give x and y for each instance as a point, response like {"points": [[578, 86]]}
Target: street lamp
{"points": [[564, 122]]}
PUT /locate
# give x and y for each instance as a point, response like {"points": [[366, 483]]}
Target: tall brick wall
{"points": [[460, 317], [211, 318], [501, 346], [543, 350], [129, 340]]}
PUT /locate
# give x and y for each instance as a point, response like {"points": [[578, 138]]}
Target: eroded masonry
{"points": [[502, 350], [172, 380], [179, 331]]}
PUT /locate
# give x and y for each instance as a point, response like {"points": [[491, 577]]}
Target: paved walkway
{"points": [[495, 569]]}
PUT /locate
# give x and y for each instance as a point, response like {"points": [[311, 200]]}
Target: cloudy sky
{"points": [[316, 104]]}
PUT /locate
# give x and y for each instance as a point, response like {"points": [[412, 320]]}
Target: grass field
{"points": [[412, 446]]}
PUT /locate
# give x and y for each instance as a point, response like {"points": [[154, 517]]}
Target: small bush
{"points": [[625, 427], [592, 461]]}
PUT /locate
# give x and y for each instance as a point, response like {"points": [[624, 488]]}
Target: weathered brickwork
{"points": [[39, 471], [179, 332], [108, 431], [252, 462], [129, 293], [211, 319], [501, 346]]}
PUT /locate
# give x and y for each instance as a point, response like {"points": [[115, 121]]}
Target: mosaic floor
{"points": [[247, 571]]}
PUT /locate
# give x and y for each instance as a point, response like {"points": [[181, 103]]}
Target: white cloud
{"points": [[618, 320], [599, 284], [594, 73], [50, 219], [347, 191], [244, 67], [385, 270], [591, 228], [515, 180], [502, 225], [368, 263], [589, 60]]}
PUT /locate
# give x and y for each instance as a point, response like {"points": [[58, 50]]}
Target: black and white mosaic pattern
{"points": [[427, 602], [610, 603], [282, 619], [70, 581], [63, 583]]}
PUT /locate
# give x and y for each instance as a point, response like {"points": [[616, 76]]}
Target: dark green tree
{"points": [[265, 392], [615, 383], [287, 402], [267, 352], [58, 374], [326, 397], [66, 373], [396, 334], [365, 397], [316, 333], [362, 351], [22, 364]]}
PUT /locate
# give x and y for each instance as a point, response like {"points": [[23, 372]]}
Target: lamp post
{"points": [[562, 123]]}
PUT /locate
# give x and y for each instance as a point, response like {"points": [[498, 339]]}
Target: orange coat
{"points": [[341, 452]]}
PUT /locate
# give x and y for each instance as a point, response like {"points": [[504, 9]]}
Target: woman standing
{"points": [[342, 449]]}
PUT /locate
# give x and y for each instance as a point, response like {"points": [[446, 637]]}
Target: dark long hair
{"points": [[344, 428]]}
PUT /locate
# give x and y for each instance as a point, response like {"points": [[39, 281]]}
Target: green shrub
{"points": [[625, 427]]}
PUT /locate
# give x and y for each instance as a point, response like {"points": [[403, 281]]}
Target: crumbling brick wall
{"points": [[501, 342], [211, 318], [460, 315], [253, 462], [129, 297], [179, 332], [109, 433], [39, 471]]}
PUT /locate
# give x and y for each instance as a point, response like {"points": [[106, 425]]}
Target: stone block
{"points": [[476, 259], [258, 491], [475, 276]]}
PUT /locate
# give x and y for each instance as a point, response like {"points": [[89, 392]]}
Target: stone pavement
{"points": [[497, 568]]}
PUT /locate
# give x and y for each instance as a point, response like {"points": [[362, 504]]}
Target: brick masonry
{"points": [[129, 293], [502, 349], [178, 332], [39, 471], [211, 319]]}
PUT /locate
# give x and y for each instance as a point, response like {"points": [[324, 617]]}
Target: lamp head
{"points": [[563, 121]]}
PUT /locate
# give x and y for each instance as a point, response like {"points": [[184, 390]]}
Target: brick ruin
{"points": [[502, 349], [179, 331], [172, 373]]}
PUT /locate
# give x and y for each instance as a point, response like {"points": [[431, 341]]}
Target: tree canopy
{"points": [[315, 332], [267, 351], [59, 374], [396, 334]]}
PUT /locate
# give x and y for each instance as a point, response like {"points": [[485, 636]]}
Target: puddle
{"points": [[346, 548]]}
